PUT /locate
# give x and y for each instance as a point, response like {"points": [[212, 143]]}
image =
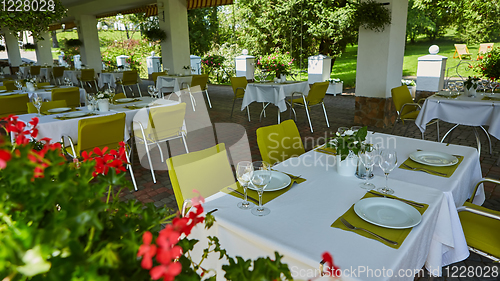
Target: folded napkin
{"points": [[134, 100], [398, 235], [51, 113], [326, 150], [490, 98], [448, 170], [267, 196], [66, 118], [139, 107]]}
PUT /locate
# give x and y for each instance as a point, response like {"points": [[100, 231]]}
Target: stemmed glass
{"points": [[260, 179], [387, 162], [151, 90], [244, 172], [37, 102], [18, 85], [92, 101], [367, 157]]}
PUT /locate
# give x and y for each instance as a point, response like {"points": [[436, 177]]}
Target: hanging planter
{"points": [[73, 43], [155, 34]]}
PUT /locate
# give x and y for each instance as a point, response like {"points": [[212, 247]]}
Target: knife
{"points": [[402, 200], [239, 193]]}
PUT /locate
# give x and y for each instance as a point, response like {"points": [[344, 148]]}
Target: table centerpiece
{"points": [[347, 146]]}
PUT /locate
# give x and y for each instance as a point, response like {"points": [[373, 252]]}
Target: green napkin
{"points": [[66, 118], [267, 196], [326, 150], [51, 113], [490, 98], [448, 170], [398, 235], [116, 102]]}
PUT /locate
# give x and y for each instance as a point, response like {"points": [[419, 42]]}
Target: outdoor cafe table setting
{"points": [[458, 108], [72, 75], [174, 82], [45, 92], [304, 221], [110, 78], [274, 93]]}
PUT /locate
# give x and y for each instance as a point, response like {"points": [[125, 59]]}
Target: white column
{"points": [[380, 54], [172, 15], [12, 44], [44, 49], [90, 51]]}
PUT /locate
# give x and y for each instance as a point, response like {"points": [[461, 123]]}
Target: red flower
{"points": [[168, 272], [332, 269], [104, 161], [4, 158], [147, 251]]}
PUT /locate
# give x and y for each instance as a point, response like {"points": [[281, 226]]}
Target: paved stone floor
{"points": [[340, 111]]}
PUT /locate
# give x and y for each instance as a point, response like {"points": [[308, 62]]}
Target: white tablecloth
{"points": [[274, 93], [172, 83], [73, 75], [299, 223], [47, 94], [46, 73], [462, 110], [109, 78], [25, 71]]}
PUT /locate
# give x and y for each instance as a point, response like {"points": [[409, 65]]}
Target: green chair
{"points": [[57, 74], [13, 105], [213, 173], [315, 97], [406, 108], [103, 131], [9, 85], [130, 78], [481, 227], [46, 106], [35, 70], [87, 76], [70, 95], [201, 80], [239, 84], [279, 142]]}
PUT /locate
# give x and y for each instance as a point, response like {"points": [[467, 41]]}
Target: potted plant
{"points": [[347, 146], [187, 69], [488, 65], [277, 62], [470, 86], [103, 99], [155, 34]]}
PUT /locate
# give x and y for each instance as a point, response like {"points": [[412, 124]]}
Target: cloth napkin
{"points": [[116, 102], [398, 235], [66, 118], [448, 170], [51, 113], [490, 98], [326, 150], [266, 196], [139, 107]]}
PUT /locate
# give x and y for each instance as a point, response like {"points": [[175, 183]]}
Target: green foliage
{"points": [[277, 62], [489, 64], [155, 34], [29, 46], [417, 22], [440, 13], [478, 21], [263, 269], [226, 70], [203, 30], [372, 15], [31, 20], [70, 47], [349, 141], [72, 43]]}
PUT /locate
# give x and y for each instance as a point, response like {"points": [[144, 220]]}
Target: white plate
{"points": [[142, 104], [7, 94], [75, 114], [124, 100], [48, 86], [448, 94], [434, 158], [59, 109], [278, 181], [387, 212], [3, 91]]}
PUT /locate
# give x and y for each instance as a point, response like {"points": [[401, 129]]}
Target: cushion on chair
{"points": [[9, 85], [103, 131], [239, 82], [129, 78], [411, 115], [481, 233], [15, 104], [279, 142], [58, 71], [70, 95], [87, 75], [46, 106]]}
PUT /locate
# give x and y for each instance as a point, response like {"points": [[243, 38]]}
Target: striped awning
{"points": [[195, 4]]}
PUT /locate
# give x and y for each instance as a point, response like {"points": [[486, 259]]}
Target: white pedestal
{"points": [[335, 88]]}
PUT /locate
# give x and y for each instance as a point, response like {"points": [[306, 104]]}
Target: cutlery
{"points": [[402, 200], [290, 175], [325, 151], [239, 193], [424, 170], [350, 226]]}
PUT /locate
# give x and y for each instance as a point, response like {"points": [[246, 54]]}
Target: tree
{"points": [[417, 21], [439, 15], [203, 30], [478, 21]]}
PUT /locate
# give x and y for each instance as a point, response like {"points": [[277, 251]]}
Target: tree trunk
{"points": [[126, 31], [55, 43]]}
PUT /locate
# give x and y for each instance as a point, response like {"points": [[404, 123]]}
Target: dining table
{"points": [[110, 78], [458, 108], [173, 83], [72, 75], [304, 220], [25, 70], [275, 93], [45, 93], [46, 73]]}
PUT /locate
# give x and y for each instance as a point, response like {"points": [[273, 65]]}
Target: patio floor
{"points": [[340, 111]]}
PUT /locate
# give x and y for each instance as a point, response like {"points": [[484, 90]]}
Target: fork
{"points": [[352, 227], [424, 170]]}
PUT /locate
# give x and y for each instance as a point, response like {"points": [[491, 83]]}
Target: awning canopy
{"points": [[151, 10]]}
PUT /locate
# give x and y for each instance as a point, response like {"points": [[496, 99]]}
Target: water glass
{"points": [[18, 85], [244, 173], [37, 102], [387, 162], [367, 158], [260, 179]]}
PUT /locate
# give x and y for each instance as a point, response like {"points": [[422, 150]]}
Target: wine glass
{"points": [[18, 85], [367, 157], [91, 101], [37, 102], [244, 172], [387, 162], [260, 179], [156, 92], [151, 90]]}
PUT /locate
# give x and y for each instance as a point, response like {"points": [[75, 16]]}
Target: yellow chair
{"points": [[46, 106], [70, 95], [484, 48], [43, 84], [3, 88], [315, 97], [461, 50], [57, 74], [9, 85], [35, 70], [406, 108], [130, 78], [279, 142], [154, 75], [239, 85], [88, 76], [103, 131], [212, 169], [201, 80], [481, 227], [14, 104], [164, 123]]}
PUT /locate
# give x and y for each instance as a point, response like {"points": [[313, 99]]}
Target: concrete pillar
{"points": [[12, 46], [44, 50], [90, 51], [175, 52], [380, 68]]}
